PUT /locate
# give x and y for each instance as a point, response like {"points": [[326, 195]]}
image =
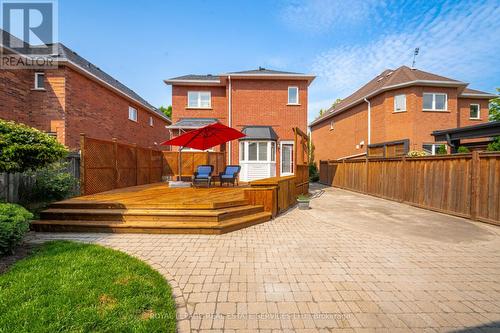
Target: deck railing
{"points": [[466, 185], [190, 160]]}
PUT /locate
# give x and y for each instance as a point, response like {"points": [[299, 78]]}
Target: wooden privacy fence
{"points": [[190, 160], [466, 185], [107, 165]]}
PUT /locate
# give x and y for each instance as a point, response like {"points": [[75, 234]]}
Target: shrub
{"points": [[416, 153], [51, 183], [24, 148], [462, 150], [313, 172], [14, 223], [495, 145], [442, 150]]}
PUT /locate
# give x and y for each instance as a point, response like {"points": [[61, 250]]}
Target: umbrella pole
{"points": [[179, 177]]}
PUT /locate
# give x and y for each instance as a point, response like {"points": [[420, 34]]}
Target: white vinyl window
{"points": [[435, 102], [257, 151], [132, 114], [431, 148], [475, 111], [293, 95], [199, 99], [151, 121], [400, 103], [40, 81]]}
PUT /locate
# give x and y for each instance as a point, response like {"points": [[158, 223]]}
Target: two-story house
{"points": [[76, 96], [264, 104], [401, 105]]}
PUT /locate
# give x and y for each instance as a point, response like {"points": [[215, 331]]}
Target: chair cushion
{"points": [[227, 176], [204, 171], [231, 170]]}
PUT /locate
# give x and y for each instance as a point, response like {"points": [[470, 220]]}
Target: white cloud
{"points": [[459, 40]]}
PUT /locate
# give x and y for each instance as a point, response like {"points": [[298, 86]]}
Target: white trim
{"points": [[292, 157], [489, 96], [478, 111], [297, 89], [434, 94], [35, 84], [198, 100], [193, 82], [402, 110], [378, 91]]}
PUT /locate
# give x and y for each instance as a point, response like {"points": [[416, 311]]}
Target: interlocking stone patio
{"points": [[353, 263]]}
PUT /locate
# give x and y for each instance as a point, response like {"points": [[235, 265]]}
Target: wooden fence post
{"points": [[367, 173], [115, 162], [136, 163], [474, 195], [82, 164], [405, 195]]}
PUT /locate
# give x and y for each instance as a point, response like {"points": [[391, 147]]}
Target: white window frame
{"points": [[395, 104], [434, 147], [245, 144], [332, 125], [36, 87], [151, 121], [281, 160], [478, 111], [297, 89], [198, 99], [132, 114], [434, 102]]}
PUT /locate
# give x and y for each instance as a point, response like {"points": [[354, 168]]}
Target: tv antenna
{"points": [[415, 54]]}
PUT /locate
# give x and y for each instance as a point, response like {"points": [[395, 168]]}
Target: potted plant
{"points": [[303, 201]]}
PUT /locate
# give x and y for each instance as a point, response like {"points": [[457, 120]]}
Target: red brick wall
{"points": [[386, 125], [15, 87], [181, 110], [101, 113]]}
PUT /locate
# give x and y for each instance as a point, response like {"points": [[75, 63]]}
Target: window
{"points": [[132, 113], [293, 95], [273, 151], [252, 151], [262, 151], [400, 103], [242, 151], [257, 151], [199, 99], [432, 148], [40, 81], [474, 111], [332, 123], [435, 102], [151, 121]]}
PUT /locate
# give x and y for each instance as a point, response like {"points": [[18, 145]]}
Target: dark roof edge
{"points": [[466, 128]]}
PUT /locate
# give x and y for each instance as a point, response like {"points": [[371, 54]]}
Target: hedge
{"points": [[14, 223]]}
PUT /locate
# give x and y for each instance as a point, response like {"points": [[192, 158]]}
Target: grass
{"points": [[73, 287]]}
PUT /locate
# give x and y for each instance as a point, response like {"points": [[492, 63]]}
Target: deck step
{"points": [[146, 215], [151, 227], [88, 204]]}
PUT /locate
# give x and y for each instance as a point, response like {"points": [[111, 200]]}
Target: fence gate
{"points": [[301, 144]]}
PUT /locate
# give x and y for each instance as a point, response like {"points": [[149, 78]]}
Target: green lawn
{"points": [[73, 287]]}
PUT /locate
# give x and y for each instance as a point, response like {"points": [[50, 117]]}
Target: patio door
{"points": [[286, 158]]}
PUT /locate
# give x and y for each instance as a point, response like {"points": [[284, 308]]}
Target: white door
{"points": [[286, 158]]}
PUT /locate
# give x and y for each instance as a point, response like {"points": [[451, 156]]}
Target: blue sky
{"points": [[344, 42]]}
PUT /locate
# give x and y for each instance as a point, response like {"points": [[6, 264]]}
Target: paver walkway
{"points": [[352, 263]]}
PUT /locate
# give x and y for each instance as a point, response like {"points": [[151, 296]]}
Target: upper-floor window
{"points": [[475, 111], [132, 113], [400, 103], [199, 99], [332, 125], [293, 95], [151, 121], [435, 102], [40, 81]]}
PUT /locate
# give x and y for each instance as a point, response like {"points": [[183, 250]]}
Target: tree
{"points": [[334, 104], [23, 148], [495, 108], [167, 111]]}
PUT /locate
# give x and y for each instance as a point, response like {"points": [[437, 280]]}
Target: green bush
{"points": [[14, 223], [313, 172], [442, 150], [24, 148], [495, 145], [462, 150], [416, 153], [51, 183]]}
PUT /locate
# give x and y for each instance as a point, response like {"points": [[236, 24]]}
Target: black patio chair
{"points": [[230, 174], [203, 174]]}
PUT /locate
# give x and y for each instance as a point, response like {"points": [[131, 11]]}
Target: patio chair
{"points": [[203, 174], [230, 174]]}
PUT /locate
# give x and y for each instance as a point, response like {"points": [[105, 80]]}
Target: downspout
{"points": [[229, 120], [369, 122]]}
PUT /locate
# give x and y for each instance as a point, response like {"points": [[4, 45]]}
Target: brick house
{"points": [[398, 106], [78, 97], [265, 104]]}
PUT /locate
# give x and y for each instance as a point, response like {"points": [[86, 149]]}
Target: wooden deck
{"points": [[155, 208]]}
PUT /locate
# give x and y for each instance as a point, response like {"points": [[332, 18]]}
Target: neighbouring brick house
{"points": [[265, 104], [402, 106], [78, 97]]}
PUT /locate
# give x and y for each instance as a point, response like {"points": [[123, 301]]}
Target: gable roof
{"points": [[263, 71], [391, 79], [65, 55]]}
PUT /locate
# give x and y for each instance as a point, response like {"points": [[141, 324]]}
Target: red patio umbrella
{"points": [[204, 138]]}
